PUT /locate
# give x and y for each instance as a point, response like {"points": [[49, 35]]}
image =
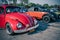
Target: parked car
{"points": [[40, 8], [51, 11], [54, 12], [58, 13], [14, 21], [44, 16]]}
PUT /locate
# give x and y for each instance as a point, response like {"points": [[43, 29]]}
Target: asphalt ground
{"points": [[45, 31]]}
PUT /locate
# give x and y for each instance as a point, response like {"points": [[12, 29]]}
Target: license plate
{"points": [[32, 30]]}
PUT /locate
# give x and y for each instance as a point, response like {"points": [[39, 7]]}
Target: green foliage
{"points": [[31, 4], [46, 5], [21, 4], [27, 6], [14, 2]]}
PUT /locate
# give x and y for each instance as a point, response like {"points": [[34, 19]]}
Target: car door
{"points": [[2, 19]]}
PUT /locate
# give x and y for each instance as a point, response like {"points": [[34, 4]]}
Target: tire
{"points": [[8, 29], [46, 19], [58, 16]]}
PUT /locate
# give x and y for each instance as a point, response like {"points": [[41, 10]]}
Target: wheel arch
{"points": [[35, 9], [45, 15], [12, 24]]}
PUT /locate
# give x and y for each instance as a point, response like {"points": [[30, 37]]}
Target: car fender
{"points": [[13, 23]]}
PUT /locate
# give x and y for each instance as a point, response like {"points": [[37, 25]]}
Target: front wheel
{"points": [[46, 19], [8, 29]]}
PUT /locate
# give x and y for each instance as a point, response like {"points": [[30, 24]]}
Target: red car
{"points": [[14, 21]]}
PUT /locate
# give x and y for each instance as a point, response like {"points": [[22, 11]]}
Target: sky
{"points": [[50, 2]]}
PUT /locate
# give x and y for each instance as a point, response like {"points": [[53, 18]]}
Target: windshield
{"points": [[23, 9], [12, 9]]}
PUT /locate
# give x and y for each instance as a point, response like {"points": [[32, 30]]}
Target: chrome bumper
{"points": [[25, 30]]}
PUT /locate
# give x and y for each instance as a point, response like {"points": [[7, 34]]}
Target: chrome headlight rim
{"points": [[35, 21], [19, 25]]}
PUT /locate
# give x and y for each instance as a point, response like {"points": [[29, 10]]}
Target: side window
{"points": [[1, 10]]}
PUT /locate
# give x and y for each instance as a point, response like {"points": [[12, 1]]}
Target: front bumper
{"points": [[25, 30]]}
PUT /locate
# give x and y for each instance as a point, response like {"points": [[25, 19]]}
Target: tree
{"points": [[14, 2], [4, 2], [46, 5], [25, 1], [38, 5], [31, 4]]}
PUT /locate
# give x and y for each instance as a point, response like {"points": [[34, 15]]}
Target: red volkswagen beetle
{"points": [[14, 21]]}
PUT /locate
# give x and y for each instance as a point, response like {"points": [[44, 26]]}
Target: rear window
{"points": [[12, 9]]}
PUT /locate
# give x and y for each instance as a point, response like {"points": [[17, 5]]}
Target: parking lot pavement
{"points": [[50, 31]]}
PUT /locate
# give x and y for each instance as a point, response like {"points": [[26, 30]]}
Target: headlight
{"points": [[35, 21], [19, 25]]}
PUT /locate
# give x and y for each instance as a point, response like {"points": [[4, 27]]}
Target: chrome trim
{"points": [[20, 31]]}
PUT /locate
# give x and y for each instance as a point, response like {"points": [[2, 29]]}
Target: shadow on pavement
{"points": [[57, 21], [42, 26], [1, 29]]}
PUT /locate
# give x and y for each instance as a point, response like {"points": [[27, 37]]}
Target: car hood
{"points": [[21, 17], [37, 12]]}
